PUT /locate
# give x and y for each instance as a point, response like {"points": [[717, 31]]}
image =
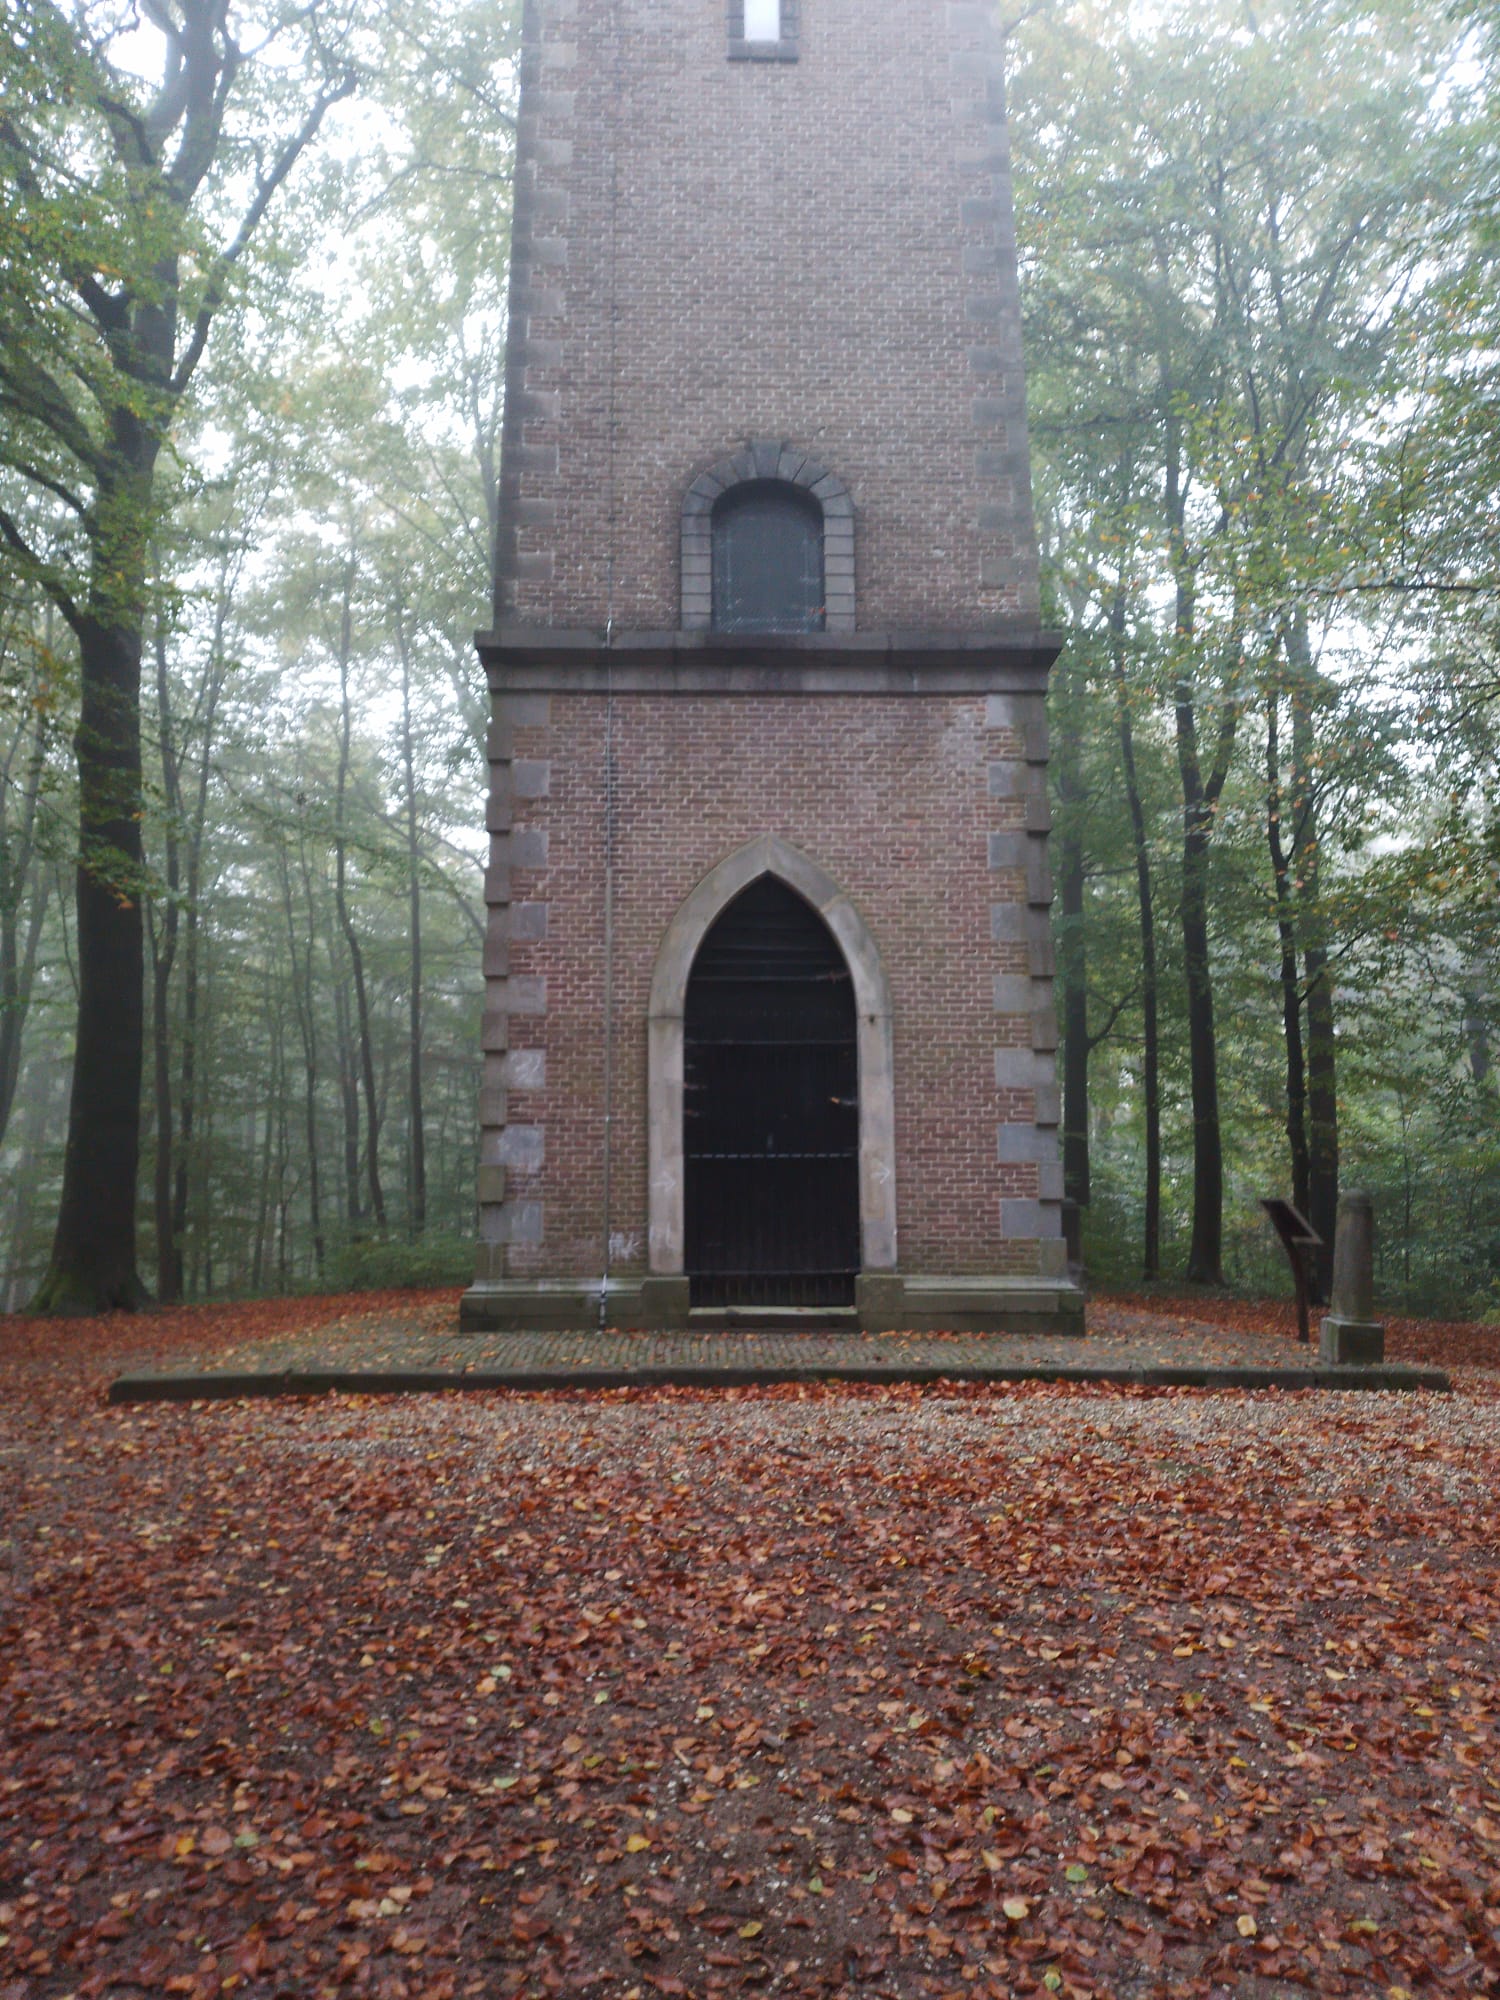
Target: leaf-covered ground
{"points": [[799, 1691]]}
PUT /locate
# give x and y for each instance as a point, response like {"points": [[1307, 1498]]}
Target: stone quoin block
{"points": [[510, 1222], [528, 847], [526, 1069], [494, 1030], [1014, 993], [531, 777], [497, 951], [1021, 1145], [523, 1147], [1025, 1069], [1009, 850]]}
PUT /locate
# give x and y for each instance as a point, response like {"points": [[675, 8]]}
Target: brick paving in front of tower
{"points": [[422, 1349]]}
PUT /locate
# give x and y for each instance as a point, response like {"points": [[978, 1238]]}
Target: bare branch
{"points": [[209, 67], [1125, 1000], [40, 571], [290, 153], [34, 393], [52, 484]]}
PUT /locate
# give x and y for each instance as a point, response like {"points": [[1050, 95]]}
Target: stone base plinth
{"points": [[544, 1305], [895, 1304], [1351, 1340], [885, 1302]]}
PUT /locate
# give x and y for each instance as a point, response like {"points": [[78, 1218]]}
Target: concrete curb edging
{"points": [[227, 1387]]}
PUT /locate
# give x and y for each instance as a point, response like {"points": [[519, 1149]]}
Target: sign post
{"points": [[1299, 1239]]}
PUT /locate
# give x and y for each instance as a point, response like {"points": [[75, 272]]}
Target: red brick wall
{"points": [[893, 798], [708, 251]]}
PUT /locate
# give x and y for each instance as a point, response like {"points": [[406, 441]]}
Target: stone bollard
{"points": [[1351, 1332]]}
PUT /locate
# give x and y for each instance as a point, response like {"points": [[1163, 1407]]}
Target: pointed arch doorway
{"points": [[767, 856], [771, 1108]]}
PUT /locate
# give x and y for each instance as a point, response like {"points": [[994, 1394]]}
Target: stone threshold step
{"points": [[228, 1386]]}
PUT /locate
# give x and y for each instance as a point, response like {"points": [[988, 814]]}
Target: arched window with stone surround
{"points": [[768, 546], [768, 559]]}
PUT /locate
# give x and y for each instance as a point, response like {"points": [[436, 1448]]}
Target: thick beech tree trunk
{"points": [[142, 166], [93, 1267]]}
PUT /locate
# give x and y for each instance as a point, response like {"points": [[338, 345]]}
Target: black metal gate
{"points": [[771, 1109]]}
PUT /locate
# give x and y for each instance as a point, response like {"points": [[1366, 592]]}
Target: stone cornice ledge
{"points": [[530, 659]]}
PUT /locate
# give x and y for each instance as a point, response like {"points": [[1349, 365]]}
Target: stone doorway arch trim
{"points": [[768, 855]]}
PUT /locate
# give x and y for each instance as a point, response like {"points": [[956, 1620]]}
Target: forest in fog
{"points": [[253, 268]]}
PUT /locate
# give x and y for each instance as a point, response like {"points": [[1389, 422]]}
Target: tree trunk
{"points": [[93, 1267], [189, 1067], [1200, 798], [1291, 997], [1205, 1264], [1476, 1031], [17, 983], [203, 1142], [1206, 1254], [348, 1102], [188, 1072], [1150, 1028], [1072, 958], [417, 1205], [23, 886], [346, 922], [307, 1023], [267, 1196], [163, 956], [163, 154], [1322, 1047]]}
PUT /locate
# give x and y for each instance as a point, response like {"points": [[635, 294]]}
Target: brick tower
{"points": [[769, 1025]]}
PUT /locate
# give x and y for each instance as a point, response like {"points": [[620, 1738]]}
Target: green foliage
{"points": [[365, 1265], [341, 430], [1258, 275]]}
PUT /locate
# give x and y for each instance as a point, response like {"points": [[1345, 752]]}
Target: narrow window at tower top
{"points": [[764, 31], [762, 20]]}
